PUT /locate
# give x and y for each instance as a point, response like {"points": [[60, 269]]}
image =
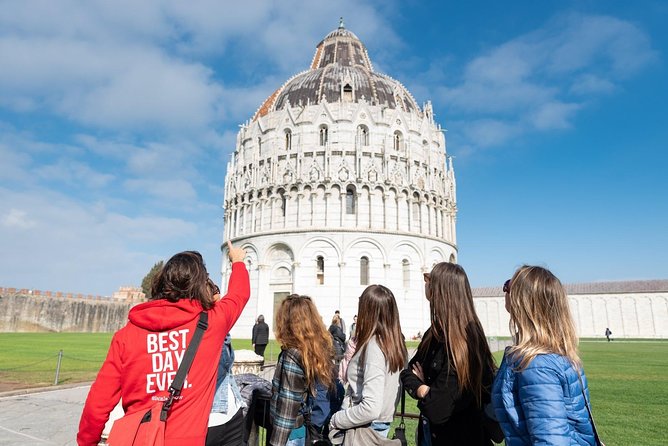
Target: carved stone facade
{"points": [[340, 180]]}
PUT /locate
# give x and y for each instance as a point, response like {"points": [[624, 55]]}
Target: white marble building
{"points": [[340, 180]]}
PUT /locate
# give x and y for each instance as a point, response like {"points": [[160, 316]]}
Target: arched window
{"points": [[406, 272], [416, 206], [288, 139], [323, 135], [347, 93], [363, 135], [350, 200], [320, 270], [283, 201], [364, 271], [398, 140], [259, 146]]}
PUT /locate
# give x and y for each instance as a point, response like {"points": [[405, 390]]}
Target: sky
{"points": [[117, 120]]}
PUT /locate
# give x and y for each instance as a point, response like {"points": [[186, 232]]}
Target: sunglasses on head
{"points": [[506, 286], [214, 288]]}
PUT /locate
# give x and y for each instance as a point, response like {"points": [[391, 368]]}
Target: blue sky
{"points": [[117, 120]]}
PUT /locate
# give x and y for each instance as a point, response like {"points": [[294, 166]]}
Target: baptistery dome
{"points": [[341, 71], [340, 180]]}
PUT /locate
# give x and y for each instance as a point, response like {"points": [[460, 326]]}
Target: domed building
{"points": [[338, 181]]}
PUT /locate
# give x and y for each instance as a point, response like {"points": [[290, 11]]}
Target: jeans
{"points": [[382, 429], [296, 442]]}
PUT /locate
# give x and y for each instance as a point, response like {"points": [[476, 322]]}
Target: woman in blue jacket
{"points": [[539, 390]]}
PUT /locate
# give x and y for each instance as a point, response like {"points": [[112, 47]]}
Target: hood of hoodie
{"points": [[162, 315]]}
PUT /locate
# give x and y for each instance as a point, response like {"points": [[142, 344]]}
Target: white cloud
{"points": [[17, 218], [79, 246], [591, 84], [538, 81], [125, 66], [488, 132], [553, 115], [165, 190], [74, 173]]}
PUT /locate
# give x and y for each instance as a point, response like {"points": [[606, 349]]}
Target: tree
{"points": [[147, 282]]}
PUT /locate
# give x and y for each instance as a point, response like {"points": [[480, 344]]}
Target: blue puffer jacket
{"points": [[543, 404]]}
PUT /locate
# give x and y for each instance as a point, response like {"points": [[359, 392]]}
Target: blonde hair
{"points": [[540, 317], [378, 315], [455, 323], [299, 325]]}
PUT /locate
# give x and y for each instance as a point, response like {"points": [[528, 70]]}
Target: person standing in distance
{"points": [[260, 335], [343, 323]]}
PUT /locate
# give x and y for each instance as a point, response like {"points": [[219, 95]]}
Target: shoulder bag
{"points": [[591, 417], [400, 431], [147, 427]]}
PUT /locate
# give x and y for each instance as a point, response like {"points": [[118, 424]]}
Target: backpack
{"points": [[324, 404]]}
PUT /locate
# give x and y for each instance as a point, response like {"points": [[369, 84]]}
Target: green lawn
{"points": [[628, 380]]}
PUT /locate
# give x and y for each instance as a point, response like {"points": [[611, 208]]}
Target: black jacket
{"points": [[261, 333], [339, 339], [454, 417]]}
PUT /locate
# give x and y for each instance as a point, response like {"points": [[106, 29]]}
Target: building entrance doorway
{"points": [[278, 298]]}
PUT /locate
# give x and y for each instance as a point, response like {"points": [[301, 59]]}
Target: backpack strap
{"points": [[177, 384]]}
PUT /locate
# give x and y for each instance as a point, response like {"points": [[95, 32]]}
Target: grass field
{"points": [[628, 379]]}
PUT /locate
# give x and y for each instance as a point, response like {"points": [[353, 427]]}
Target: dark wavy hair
{"points": [[184, 276]]}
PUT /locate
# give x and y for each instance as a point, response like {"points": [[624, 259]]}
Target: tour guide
{"points": [[145, 354]]}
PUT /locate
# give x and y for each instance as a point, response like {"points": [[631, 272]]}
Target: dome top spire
{"points": [[341, 25]]}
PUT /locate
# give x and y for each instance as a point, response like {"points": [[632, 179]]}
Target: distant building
{"points": [[631, 309], [340, 180], [128, 293]]}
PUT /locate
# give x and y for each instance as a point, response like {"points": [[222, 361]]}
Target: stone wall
{"points": [[23, 312]]}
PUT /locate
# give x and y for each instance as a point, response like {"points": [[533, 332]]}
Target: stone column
{"points": [[262, 201], [272, 202], [387, 272], [296, 279], [300, 195], [312, 198], [327, 195], [253, 209], [342, 265], [358, 196]]}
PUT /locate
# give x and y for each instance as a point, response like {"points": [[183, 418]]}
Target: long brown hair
{"points": [[184, 276], [300, 326], [540, 317], [378, 315], [455, 323]]}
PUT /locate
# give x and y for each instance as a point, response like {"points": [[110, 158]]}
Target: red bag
{"points": [[141, 428]]}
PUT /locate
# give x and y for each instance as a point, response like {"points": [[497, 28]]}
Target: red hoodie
{"points": [[145, 355]]}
